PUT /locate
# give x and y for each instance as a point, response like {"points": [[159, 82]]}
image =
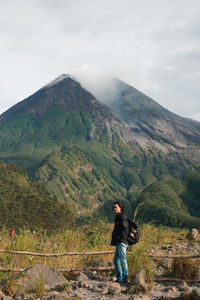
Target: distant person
{"points": [[12, 233], [33, 233], [119, 239]]}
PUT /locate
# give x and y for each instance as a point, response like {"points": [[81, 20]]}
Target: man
{"points": [[119, 239]]}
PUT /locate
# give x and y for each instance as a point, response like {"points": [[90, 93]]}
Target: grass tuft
{"points": [[184, 268], [39, 289]]}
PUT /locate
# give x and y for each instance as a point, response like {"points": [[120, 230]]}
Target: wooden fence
{"points": [[93, 253], [99, 268], [56, 254]]}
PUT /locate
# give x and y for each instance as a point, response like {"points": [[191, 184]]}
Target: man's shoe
{"points": [[124, 282]]}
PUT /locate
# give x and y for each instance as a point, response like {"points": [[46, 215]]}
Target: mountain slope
{"points": [[172, 202], [59, 114], [152, 123], [63, 112], [90, 176], [25, 203], [64, 93], [85, 176], [87, 155]]}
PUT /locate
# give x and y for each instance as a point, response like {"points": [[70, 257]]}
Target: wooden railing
{"points": [[56, 254], [99, 268], [93, 253]]}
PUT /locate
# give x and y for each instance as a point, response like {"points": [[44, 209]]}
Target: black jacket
{"points": [[121, 229]]}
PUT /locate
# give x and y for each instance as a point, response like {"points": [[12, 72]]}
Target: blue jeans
{"points": [[120, 262]]}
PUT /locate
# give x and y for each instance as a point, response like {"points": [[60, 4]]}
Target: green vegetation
{"points": [[87, 175], [28, 138], [25, 203], [138, 259], [91, 176], [191, 195], [39, 289], [87, 179], [172, 202]]}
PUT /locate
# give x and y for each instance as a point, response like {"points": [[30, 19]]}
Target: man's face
{"points": [[117, 209]]}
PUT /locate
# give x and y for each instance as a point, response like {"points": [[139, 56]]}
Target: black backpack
{"points": [[133, 233]]}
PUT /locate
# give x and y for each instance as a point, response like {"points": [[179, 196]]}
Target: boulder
{"points": [[58, 297], [185, 288], [97, 262], [33, 278], [104, 286], [83, 284], [97, 289], [138, 282], [192, 235], [139, 297], [90, 274], [81, 277], [195, 295], [184, 296], [114, 289], [165, 263]]}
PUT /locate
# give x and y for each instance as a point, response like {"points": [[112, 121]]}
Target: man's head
{"points": [[118, 207]]}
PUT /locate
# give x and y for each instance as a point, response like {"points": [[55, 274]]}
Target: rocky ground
{"points": [[85, 288], [43, 282]]}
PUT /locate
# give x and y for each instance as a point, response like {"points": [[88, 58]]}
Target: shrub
{"points": [[139, 259], [184, 268], [39, 289]]}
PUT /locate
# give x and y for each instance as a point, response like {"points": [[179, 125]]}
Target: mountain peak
{"points": [[65, 93], [59, 79]]}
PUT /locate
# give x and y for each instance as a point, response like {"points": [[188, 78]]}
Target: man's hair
{"points": [[121, 205]]}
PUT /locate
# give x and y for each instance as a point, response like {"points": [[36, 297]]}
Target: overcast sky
{"points": [[153, 45]]}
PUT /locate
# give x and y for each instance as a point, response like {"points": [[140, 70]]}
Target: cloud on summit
{"points": [[152, 45]]}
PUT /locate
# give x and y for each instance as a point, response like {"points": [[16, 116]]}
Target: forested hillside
{"points": [[25, 203], [91, 176], [89, 189], [172, 202], [87, 155]]}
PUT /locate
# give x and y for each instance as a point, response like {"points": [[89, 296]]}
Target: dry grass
{"points": [[94, 237], [138, 258], [70, 240], [150, 235], [184, 268], [39, 289]]}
